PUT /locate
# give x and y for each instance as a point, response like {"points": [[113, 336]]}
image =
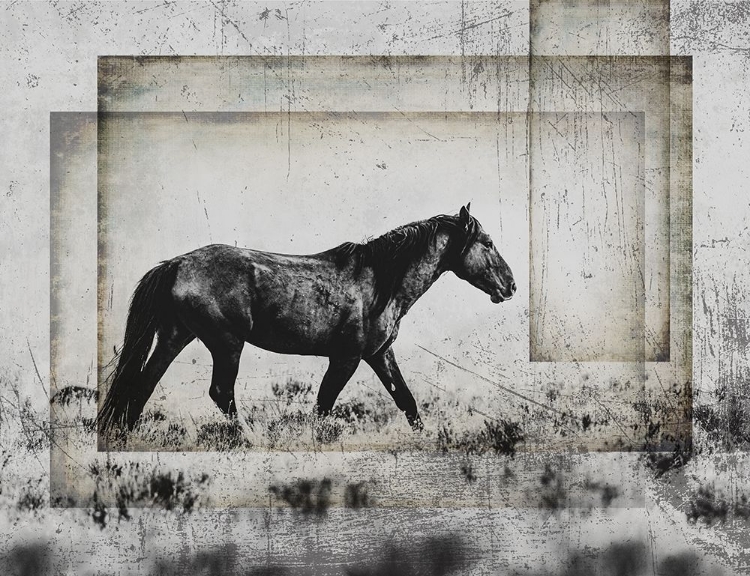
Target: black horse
{"points": [[345, 303]]}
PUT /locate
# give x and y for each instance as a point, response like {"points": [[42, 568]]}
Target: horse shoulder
{"points": [[382, 330]]}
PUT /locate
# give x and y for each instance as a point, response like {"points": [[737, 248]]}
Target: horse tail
{"points": [[150, 305]]}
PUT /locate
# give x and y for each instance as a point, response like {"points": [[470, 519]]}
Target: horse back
{"points": [[283, 303]]}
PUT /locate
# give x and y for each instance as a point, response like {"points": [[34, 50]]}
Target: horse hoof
{"points": [[416, 424]]}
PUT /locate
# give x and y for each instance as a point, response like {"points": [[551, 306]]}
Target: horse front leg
{"points": [[340, 370], [385, 366]]}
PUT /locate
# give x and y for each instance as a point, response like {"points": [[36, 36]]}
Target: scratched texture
{"points": [[551, 512], [348, 176], [575, 228], [171, 175], [594, 86]]}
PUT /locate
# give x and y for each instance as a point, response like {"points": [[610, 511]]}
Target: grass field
{"points": [[287, 422], [112, 486]]}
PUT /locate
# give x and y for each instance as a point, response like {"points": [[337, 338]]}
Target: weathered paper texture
{"points": [[586, 237], [599, 27], [50, 64], [171, 181]]}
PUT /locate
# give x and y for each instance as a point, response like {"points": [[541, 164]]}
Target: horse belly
{"points": [[299, 316], [292, 333], [285, 304]]}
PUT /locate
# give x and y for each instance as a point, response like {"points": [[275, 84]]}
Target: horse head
{"points": [[479, 262]]}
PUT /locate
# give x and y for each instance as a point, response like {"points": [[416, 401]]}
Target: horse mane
{"points": [[389, 255]]}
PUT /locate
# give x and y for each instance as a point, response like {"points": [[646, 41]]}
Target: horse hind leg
{"points": [[226, 358], [169, 343]]}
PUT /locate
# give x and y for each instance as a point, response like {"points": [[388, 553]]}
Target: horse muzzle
{"points": [[498, 296]]}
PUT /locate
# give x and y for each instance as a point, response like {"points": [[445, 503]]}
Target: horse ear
{"points": [[464, 214]]}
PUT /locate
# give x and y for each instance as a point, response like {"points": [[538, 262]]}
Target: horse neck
{"points": [[421, 274]]}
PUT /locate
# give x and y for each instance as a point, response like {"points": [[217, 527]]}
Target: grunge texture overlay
{"points": [[596, 423]]}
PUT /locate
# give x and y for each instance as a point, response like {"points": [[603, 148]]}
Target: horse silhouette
{"points": [[345, 303]]}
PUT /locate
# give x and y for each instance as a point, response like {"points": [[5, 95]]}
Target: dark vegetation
{"points": [[288, 426], [725, 417], [133, 485], [293, 392], [556, 492], [357, 495], [432, 556], [666, 428], [36, 430], [69, 394], [498, 436], [305, 496], [661, 462], [32, 497], [626, 558], [328, 431], [173, 437], [607, 492], [467, 471], [422, 556], [354, 410], [708, 507], [222, 435], [552, 491], [711, 506]]}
